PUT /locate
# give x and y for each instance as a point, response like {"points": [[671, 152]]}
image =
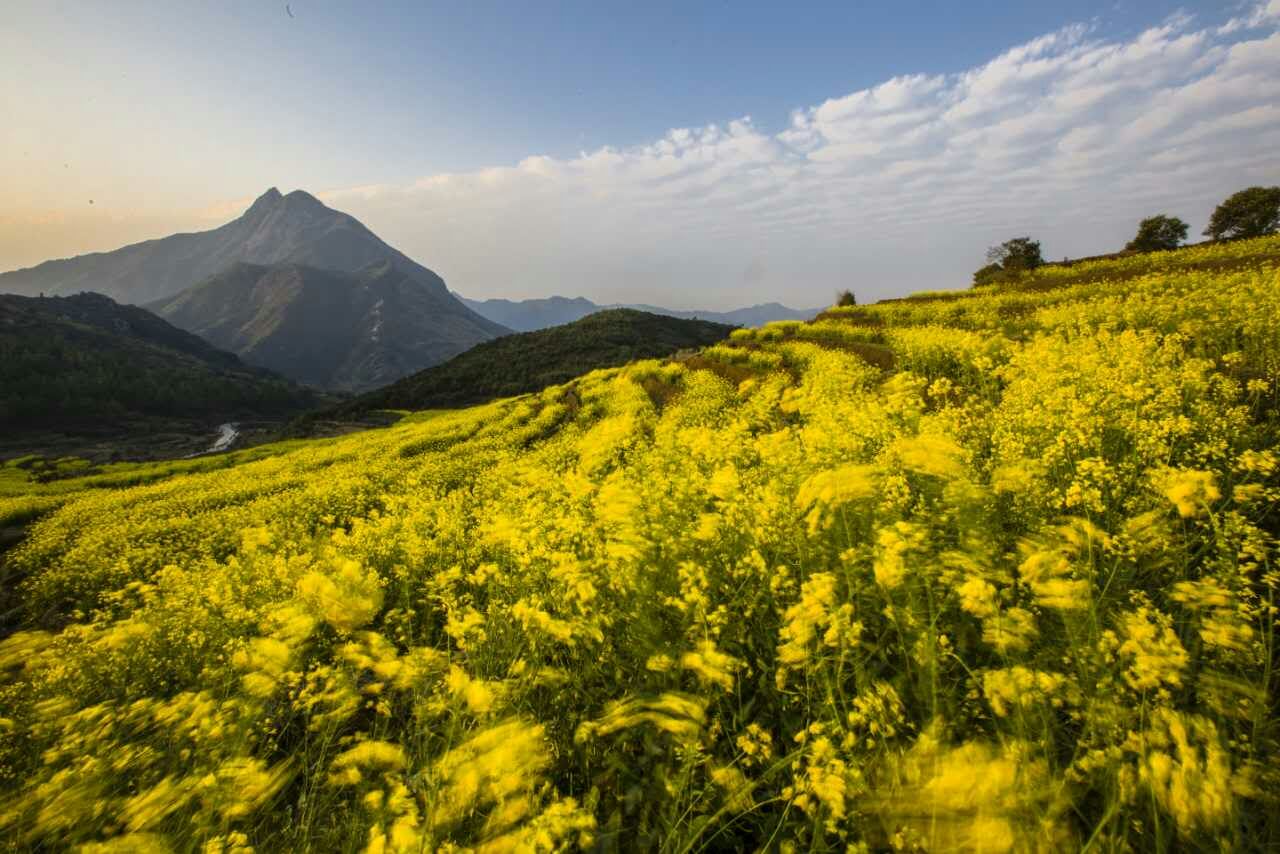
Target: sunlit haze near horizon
{"points": [[712, 158]]}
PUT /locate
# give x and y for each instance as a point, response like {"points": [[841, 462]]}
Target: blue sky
{"points": [[523, 149]]}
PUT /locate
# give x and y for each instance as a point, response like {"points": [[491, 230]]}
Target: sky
{"points": [[694, 155]]}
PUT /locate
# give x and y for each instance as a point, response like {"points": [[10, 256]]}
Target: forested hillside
{"points": [[86, 358], [531, 361], [992, 570]]}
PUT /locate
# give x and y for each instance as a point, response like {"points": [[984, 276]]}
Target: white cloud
{"points": [[1070, 137], [1260, 16]]}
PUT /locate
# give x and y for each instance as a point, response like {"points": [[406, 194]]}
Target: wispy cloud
{"points": [[1071, 137], [1259, 16]]}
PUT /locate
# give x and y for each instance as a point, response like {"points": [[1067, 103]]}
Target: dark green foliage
{"points": [[87, 358], [989, 275], [531, 361], [846, 298], [1016, 255], [1009, 260], [1254, 212], [1158, 233]]}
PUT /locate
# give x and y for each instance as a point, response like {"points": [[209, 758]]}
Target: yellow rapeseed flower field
{"points": [[982, 571]]}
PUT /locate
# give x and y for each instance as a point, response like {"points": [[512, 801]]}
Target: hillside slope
{"points": [[990, 571], [531, 361], [86, 357], [330, 329]]}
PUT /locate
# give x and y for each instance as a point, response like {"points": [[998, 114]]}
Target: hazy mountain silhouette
{"points": [[532, 314], [295, 229]]}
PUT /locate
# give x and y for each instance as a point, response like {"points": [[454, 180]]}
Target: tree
{"points": [[846, 298], [1016, 255], [1254, 212], [1158, 233], [1008, 260]]}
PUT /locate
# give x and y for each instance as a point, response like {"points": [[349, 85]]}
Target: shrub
{"points": [[988, 275]]}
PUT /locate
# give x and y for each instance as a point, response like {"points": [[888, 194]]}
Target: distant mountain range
{"points": [[531, 314], [292, 285], [87, 360], [531, 361]]}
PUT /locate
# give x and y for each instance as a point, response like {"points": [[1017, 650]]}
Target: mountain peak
{"points": [[296, 228], [267, 201], [302, 199]]}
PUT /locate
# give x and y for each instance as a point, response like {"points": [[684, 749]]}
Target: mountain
{"points": [[754, 315], [345, 331], [530, 314], [276, 229], [531, 361], [291, 285], [87, 359]]}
